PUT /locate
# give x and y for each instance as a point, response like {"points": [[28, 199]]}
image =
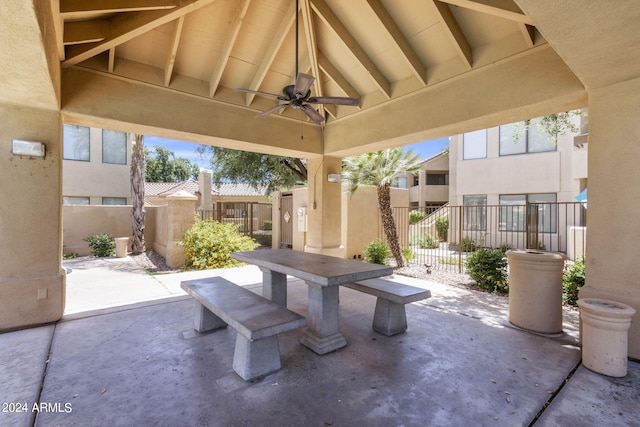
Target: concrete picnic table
{"points": [[323, 274]]}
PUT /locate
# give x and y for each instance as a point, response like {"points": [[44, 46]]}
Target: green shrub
{"points": [[209, 244], [505, 247], [408, 254], [467, 245], [572, 281], [377, 252], [101, 245], [416, 216], [488, 267], [442, 227], [268, 225], [427, 241], [263, 239]]}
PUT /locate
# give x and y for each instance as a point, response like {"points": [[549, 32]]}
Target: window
{"points": [[475, 212], [114, 147], [76, 201], [518, 138], [114, 200], [512, 139], [400, 182], [75, 144], [542, 212], [437, 179], [512, 212], [474, 145]]}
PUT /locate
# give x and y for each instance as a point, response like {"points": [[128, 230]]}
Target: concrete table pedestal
{"points": [[604, 334], [535, 290]]}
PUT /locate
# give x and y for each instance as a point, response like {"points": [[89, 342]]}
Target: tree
{"points": [[379, 169], [257, 170], [551, 125], [165, 167], [138, 212]]}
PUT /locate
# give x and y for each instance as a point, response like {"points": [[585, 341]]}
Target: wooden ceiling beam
{"points": [[79, 32], [173, 51], [227, 47], [331, 20], [410, 56], [125, 27], [76, 9], [506, 9], [272, 51], [457, 37]]}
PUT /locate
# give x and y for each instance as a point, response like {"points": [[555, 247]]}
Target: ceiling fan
{"points": [[298, 96]]}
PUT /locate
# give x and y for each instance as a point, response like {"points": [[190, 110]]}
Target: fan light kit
{"points": [[298, 96]]}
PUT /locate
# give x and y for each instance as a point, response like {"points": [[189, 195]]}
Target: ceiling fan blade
{"points": [[312, 113], [257, 92], [336, 100], [303, 84], [265, 113]]}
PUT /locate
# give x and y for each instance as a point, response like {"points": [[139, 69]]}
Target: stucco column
{"points": [[613, 229], [324, 207], [180, 218], [204, 182], [32, 281]]}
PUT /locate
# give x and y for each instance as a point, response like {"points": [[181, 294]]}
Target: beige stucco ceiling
{"points": [[421, 68]]}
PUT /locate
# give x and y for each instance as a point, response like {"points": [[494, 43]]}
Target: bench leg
{"points": [[205, 320], [253, 359], [389, 318]]}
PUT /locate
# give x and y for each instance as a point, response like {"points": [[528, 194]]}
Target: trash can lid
{"points": [[606, 306]]}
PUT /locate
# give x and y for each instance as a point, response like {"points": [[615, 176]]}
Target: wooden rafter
{"points": [[417, 67], [332, 72], [458, 39], [173, 51], [506, 9], [272, 51], [76, 9], [124, 27], [312, 50], [528, 32], [227, 47], [79, 32], [332, 21]]}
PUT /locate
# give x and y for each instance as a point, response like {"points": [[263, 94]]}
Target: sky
{"points": [[424, 150]]}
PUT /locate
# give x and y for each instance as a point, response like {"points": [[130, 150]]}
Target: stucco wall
{"points": [[80, 222], [32, 282]]}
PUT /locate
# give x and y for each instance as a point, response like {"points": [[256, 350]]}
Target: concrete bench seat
{"points": [[392, 293], [257, 321]]}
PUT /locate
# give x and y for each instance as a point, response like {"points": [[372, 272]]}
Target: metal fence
{"points": [[253, 219], [442, 239]]}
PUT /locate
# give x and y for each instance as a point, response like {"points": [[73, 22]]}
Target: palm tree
{"points": [[379, 169], [137, 195]]}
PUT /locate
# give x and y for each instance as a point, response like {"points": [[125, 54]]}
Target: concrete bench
{"points": [[393, 293], [257, 321]]}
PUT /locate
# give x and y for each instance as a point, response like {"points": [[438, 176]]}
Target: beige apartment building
{"points": [[96, 164], [517, 164]]}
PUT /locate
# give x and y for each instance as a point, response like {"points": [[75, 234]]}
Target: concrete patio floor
{"points": [[126, 354]]}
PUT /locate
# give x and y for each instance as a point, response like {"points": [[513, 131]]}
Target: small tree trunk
{"points": [[388, 223], [137, 195]]}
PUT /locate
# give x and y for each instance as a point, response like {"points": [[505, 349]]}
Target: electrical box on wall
{"points": [[302, 219]]}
